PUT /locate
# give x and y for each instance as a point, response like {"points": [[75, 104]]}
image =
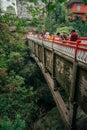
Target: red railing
{"points": [[80, 47]]}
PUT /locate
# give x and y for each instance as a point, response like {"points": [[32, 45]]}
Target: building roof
{"points": [[70, 2]]}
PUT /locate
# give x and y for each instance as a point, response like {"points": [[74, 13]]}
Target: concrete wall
{"points": [[63, 72]]}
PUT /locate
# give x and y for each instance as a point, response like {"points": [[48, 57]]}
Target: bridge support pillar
{"points": [[53, 64], [53, 70], [33, 46], [44, 59], [73, 96]]}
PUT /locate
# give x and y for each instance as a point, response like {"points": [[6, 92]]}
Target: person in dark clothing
{"points": [[73, 36], [63, 36]]}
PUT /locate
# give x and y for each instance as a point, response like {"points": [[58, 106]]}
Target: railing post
{"points": [[76, 49]]}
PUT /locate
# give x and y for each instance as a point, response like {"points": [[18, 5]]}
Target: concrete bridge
{"points": [[64, 66]]}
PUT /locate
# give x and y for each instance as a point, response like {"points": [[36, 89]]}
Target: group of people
{"points": [[72, 37]]}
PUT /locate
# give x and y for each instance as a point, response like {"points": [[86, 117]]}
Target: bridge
{"points": [[64, 66]]}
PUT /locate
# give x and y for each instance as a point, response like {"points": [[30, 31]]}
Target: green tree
{"points": [[18, 124], [79, 25], [16, 61]]}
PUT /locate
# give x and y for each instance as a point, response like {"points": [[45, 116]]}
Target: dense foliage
{"points": [[57, 20], [21, 100], [12, 85], [23, 90]]}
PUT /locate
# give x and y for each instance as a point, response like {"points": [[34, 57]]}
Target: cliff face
{"points": [[19, 7], [6, 5], [25, 8], [22, 9]]}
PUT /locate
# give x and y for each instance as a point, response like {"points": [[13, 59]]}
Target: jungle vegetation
{"points": [[24, 93]]}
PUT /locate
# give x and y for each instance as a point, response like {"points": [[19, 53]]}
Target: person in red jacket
{"points": [[73, 36]]}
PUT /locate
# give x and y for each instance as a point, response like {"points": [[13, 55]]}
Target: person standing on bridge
{"points": [[57, 36], [73, 36], [63, 36]]}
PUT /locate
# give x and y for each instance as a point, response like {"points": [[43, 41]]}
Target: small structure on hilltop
{"points": [[77, 8]]}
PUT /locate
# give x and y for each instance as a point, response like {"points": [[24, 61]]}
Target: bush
{"points": [[17, 124], [65, 29]]}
